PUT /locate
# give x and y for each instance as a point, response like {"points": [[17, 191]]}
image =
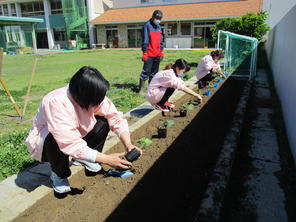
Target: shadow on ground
{"points": [[131, 86]]}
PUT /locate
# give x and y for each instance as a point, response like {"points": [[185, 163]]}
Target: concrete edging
{"points": [[212, 201]]}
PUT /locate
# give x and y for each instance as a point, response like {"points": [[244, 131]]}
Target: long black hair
{"points": [[88, 87], [180, 63]]}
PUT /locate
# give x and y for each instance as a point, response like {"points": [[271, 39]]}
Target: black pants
{"points": [[209, 77], [150, 68], [59, 161], [204, 80], [168, 93]]}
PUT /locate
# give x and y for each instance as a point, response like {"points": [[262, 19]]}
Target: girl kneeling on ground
{"points": [[208, 66], [164, 83], [74, 121]]}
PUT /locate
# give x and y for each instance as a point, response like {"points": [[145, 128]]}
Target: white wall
{"points": [[281, 48], [137, 3], [277, 9], [96, 8]]}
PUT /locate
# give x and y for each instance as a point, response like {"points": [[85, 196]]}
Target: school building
{"points": [[65, 22], [186, 23], [116, 23]]}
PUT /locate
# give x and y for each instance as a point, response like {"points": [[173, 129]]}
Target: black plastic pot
{"points": [[162, 133], [183, 112]]}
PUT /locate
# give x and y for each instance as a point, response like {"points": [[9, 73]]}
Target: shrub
{"points": [[251, 24]]}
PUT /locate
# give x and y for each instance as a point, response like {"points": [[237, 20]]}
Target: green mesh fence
{"points": [[75, 14], [240, 54]]}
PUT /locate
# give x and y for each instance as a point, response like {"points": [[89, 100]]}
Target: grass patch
{"points": [[121, 67], [13, 153]]}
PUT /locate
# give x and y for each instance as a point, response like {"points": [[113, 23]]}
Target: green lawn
{"points": [[119, 66]]}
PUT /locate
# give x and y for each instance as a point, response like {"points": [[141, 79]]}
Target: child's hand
{"points": [[199, 97]]}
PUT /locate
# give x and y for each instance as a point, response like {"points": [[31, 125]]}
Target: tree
{"points": [[251, 24]]}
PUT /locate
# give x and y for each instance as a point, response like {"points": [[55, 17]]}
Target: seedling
{"points": [[162, 130], [183, 112], [210, 85], [188, 106], [144, 142], [169, 123], [215, 75]]}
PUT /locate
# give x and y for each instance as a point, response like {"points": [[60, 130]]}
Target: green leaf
{"points": [[250, 24], [190, 106], [144, 142], [169, 123]]}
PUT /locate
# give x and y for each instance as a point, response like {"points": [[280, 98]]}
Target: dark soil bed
{"points": [[169, 179]]}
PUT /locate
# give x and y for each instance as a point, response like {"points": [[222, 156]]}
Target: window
{"points": [[17, 36], [5, 10], [202, 35], [112, 36], [172, 29], [186, 28], [56, 7], [134, 33], [32, 9], [9, 36], [59, 36], [13, 10], [1, 12], [37, 7]]}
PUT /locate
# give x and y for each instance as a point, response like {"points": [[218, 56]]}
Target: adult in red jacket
{"points": [[152, 48]]}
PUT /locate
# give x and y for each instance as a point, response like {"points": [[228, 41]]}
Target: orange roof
{"points": [[180, 12]]}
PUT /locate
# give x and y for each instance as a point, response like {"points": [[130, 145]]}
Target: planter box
{"points": [[169, 179]]}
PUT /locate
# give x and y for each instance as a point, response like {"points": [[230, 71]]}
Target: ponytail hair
{"points": [[168, 66]]}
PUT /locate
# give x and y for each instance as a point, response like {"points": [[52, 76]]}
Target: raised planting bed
{"points": [[171, 176]]}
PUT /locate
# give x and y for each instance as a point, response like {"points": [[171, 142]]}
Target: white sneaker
{"points": [[59, 185], [93, 167]]}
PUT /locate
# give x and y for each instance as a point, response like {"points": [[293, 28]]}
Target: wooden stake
{"points": [[30, 85], [5, 86]]}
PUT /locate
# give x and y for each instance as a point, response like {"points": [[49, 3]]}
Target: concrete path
{"points": [[264, 192], [256, 187]]}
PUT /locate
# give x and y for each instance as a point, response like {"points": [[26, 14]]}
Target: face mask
{"points": [[156, 21], [181, 75]]}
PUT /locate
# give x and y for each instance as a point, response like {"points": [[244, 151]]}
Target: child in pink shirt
{"points": [[208, 66], [164, 83], [74, 121]]}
